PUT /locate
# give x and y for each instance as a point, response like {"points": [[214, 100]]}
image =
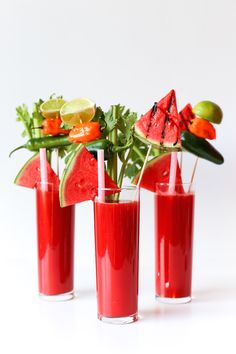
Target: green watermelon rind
{"points": [[166, 148], [148, 165], [67, 170], [22, 170]]}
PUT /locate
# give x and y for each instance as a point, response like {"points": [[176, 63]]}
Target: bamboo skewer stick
{"points": [[181, 162], [144, 165], [193, 174]]}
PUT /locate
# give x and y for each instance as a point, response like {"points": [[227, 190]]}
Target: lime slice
{"points": [[51, 108], [209, 111], [79, 110]]}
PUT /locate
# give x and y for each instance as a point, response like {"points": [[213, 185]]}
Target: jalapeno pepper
{"points": [[85, 132], [52, 127], [201, 148], [59, 141], [48, 142]]}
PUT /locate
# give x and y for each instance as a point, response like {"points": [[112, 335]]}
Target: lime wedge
{"points": [[79, 110], [51, 108], [209, 111]]}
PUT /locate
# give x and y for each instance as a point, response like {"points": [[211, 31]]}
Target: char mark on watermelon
{"points": [[79, 181], [160, 125], [152, 113], [171, 110]]}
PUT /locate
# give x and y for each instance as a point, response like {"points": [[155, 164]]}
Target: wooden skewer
{"points": [[193, 175], [144, 165], [181, 161]]}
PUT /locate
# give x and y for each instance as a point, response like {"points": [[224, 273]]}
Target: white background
{"points": [[129, 52]]}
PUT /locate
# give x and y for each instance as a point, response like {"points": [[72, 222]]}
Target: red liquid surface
{"points": [[174, 244], [55, 228], [117, 252]]}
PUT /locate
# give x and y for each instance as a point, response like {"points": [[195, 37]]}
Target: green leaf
{"points": [[36, 114], [131, 170], [23, 134], [126, 123], [62, 152], [54, 96], [24, 117], [37, 119], [110, 120]]}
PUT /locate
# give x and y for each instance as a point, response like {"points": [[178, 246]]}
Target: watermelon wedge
{"points": [[29, 175], [157, 171], [80, 179], [160, 126], [186, 116]]}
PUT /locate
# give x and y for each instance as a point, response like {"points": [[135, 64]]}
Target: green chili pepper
{"points": [[104, 144], [48, 142], [201, 148]]}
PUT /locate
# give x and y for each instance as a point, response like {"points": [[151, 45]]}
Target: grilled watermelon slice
{"points": [[160, 126]]}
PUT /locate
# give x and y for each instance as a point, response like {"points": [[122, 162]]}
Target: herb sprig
{"points": [[117, 125]]}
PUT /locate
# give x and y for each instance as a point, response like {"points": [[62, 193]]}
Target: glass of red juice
{"points": [[174, 217], [116, 224], [55, 236]]}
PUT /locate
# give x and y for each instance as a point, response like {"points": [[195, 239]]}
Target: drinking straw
{"points": [[101, 176], [193, 174], [43, 168], [173, 168], [144, 165], [57, 161], [181, 161]]}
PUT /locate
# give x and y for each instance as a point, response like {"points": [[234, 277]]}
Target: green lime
{"points": [[79, 110], [208, 110], [51, 108]]}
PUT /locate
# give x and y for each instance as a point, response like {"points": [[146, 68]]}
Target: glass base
{"points": [[118, 320], [59, 297], [173, 300]]}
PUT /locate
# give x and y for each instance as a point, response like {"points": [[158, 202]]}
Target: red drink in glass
{"points": [[117, 251], [174, 215], [55, 230]]}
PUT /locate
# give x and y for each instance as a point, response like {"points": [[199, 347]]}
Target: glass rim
{"points": [[46, 186], [164, 188], [120, 189], [45, 183], [177, 184]]}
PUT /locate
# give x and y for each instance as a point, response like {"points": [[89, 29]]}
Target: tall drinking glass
{"points": [[116, 223], [55, 235], [174, 216]]}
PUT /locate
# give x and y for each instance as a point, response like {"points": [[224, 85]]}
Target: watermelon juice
{"points": [[55, 231], [174, 215], [117, 251]]}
